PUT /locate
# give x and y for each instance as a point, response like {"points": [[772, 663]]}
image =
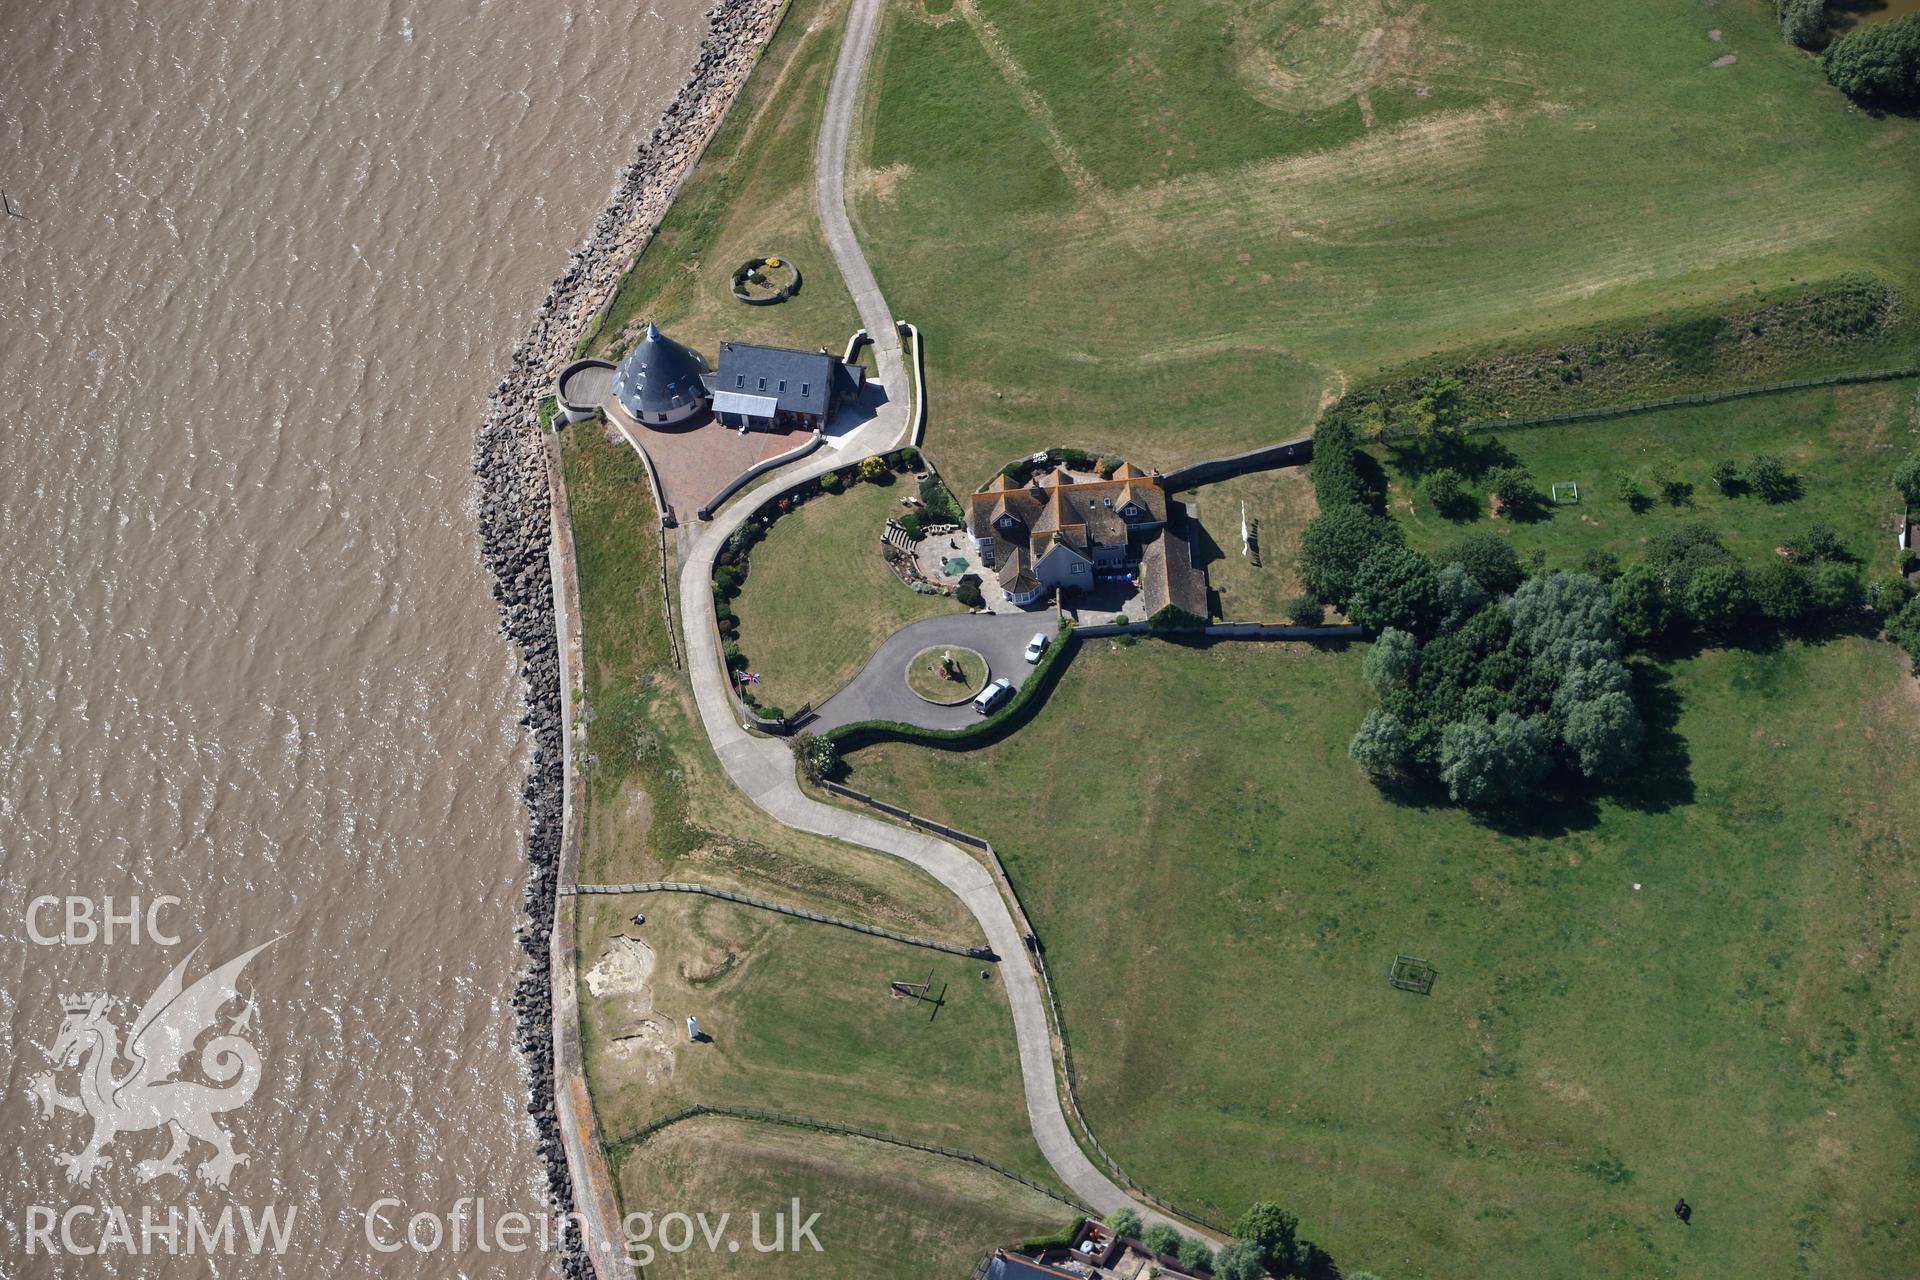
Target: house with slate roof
{"points": [[776, 389], [1060, 533]]}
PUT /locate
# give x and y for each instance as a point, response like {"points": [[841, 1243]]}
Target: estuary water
{"points": [[272, 258]]}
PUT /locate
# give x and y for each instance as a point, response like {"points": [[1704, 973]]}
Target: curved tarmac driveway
{"points": [[880, 691], [763, 767]]}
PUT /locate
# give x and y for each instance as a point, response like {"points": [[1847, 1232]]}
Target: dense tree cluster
{"points": [[1878, 64], [1490, 700], [1802, 22]]}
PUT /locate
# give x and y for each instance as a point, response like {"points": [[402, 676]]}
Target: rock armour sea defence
{"points": [[514, 507]]}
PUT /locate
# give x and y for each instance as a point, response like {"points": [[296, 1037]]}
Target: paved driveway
{"points": [[880, 691]]}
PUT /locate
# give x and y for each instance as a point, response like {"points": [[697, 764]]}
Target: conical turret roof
{"points": [[660, 376]]}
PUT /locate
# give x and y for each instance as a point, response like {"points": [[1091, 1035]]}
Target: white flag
{"points": [[1243, 526]]}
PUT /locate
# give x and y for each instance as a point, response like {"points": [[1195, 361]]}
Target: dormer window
{"points": [[739, 379], [806, 389], [783, 384], [1110, 505], [763, 384]]}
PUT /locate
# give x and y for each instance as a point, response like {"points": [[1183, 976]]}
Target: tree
{"points": [[1443, 491], [818, 758], [1717, 595], [1125, 1222], [1819, 542], [1903, 629], [1906, 478], [872, 468], [1801, 21], [1335, 543], [1888, 595], [1836, 588], [1272, 1230], [1195, 1254], [1160, 1238], [968, 593], [1494, 762], [1515, 487], [1562, 620], [1435, 413], [1769, 477], [1604, 734], [1460, 597], [1640, 606], [1391, 661], [1600, 563], [1782, 590], [1878, 64], [1489, 558], [1337, 478], [1396, 586], [1239, 1260], [1726, 477], [1305, 611], [1382, 746]]}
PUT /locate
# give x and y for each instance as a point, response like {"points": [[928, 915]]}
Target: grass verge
{"points": [[818, 598]]}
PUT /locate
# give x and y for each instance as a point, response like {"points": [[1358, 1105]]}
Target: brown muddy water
{"points": [[273, 258]]}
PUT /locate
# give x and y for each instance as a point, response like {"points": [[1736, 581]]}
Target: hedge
{"points": [[1026, 699]]}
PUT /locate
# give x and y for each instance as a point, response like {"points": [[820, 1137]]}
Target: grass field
{"points": [[1842, 442], [1278, 505], [819, 599], [801, 1020], [751, 196], [1221, 897], [885, 1213], [1172, 231]]}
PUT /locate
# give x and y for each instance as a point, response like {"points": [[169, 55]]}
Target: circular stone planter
{"points": [[925, 682], [770, 269]]}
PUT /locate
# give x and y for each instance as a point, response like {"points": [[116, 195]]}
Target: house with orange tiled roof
{"points": [[1058, 532]]}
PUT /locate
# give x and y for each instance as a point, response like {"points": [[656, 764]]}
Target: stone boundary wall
{"points": [[917, 416], [514, 513], [1223, 631], [674, 886], [1287, 453]]}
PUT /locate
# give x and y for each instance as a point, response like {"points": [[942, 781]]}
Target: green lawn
{"points": [[885, 1213], [751, 196], [819, 599], [1221, 896], [1843, 443], [1277, 505], [802, 1021], [1170, 231]]}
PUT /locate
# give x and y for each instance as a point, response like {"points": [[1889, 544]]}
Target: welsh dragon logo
{"points": [[146, 1092]]}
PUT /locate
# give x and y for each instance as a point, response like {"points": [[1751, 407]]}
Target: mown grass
{"points": [[1120, 227], [801, 1020], [799, 1011], [885, 1213], [1277, 506], [1842, 442], [750, 196], [1221, 895], [819, 599]]}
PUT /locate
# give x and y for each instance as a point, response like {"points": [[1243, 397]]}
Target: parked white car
{"points": [[1036, 646], [993, 695]]}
